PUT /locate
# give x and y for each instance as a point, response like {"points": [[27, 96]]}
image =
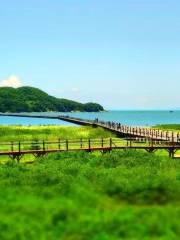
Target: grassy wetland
{"points": [[25, 133], [93, 196], [171, 127]]}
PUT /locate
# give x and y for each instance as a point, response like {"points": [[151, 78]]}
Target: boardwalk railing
{"points": [[118, 128], [41, 147], [124, 130]]}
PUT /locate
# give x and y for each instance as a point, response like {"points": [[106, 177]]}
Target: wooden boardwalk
{"points": [[131, 131], [129, 137], [16, 150], [118, 128]]}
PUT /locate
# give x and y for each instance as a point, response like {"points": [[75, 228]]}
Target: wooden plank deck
{"points": [[39, 148], [118, 128], [152, 139], [124, 130]]}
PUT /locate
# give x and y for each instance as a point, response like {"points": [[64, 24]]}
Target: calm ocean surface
{"points": [[138, 118]]}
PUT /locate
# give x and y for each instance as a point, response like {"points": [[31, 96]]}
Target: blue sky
{"points": [[122, 54]]}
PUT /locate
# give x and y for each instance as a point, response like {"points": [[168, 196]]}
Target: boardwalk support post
{"points": [[19, 147], [102, 142], [59, 144], [44, 146], [67, 145], [16, 157], [110, 143], [89, 143]]}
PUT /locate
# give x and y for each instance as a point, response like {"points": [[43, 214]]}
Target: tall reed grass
{"points": [[85, 196]]}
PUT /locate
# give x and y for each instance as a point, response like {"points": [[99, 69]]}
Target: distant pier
{"points": [[117, 128]]}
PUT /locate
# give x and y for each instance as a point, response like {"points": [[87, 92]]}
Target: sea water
{"points": [[135, 118]]}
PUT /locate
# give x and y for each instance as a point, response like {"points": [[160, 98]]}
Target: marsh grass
{"points": [[20, 133], [48, 133], [121, 195], [88, 196], [170, 127]]}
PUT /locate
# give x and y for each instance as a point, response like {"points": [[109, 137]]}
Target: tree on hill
{"points": [[29, 99]]}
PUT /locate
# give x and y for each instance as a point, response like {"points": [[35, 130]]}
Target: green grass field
{"points": [[171, 127], [93, 196], [47, 133], [25, 133]]}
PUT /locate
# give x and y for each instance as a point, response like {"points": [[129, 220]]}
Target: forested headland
{"points": [[30, 99]]}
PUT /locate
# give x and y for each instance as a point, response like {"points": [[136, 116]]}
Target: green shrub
{"points": [[121, 195]]}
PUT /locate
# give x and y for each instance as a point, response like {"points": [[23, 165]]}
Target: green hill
{"points": [[29, 99]]}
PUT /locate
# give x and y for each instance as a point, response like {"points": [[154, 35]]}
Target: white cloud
{"points": [[75, 89], [11, 81]]}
